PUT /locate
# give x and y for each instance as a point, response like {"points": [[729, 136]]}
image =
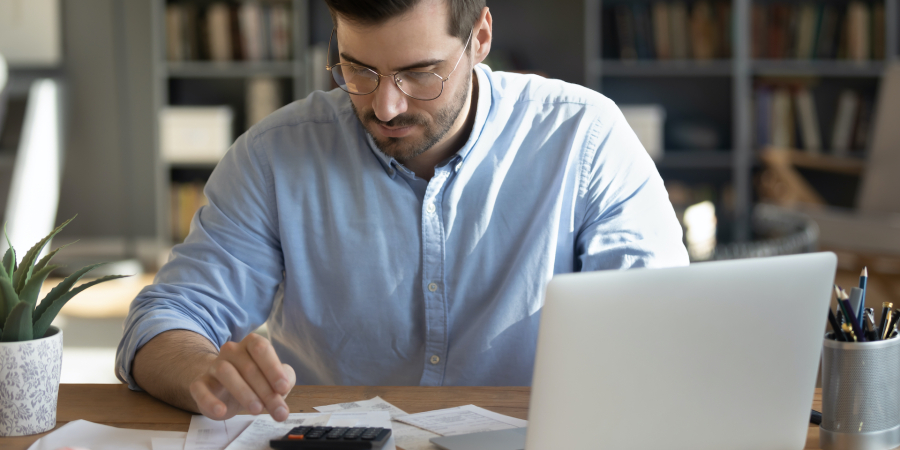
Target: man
{"points": [[399, 230]]}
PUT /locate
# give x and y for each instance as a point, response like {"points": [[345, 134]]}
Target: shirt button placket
{"points": [[432, 276]]}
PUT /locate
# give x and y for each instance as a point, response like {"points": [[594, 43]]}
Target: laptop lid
{"points": [[719, 355]]}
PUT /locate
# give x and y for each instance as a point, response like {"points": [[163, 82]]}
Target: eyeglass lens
{"points": [[360, 80]]}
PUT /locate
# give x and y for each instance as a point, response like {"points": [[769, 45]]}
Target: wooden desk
{"points": [[114, 404]]}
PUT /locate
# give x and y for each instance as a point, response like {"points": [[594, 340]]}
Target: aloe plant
{"points": [[23, 319]]}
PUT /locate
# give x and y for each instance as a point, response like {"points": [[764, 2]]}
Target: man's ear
{"points": [[482, 35]]}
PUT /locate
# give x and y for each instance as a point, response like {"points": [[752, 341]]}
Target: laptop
{"points": [[718, 355]]}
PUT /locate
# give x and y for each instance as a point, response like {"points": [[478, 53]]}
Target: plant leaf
{"points": [[62, 288], [8, 298], [33, 287], [18, 326], [25, 269], [9, 263], [43, 262], [46, 318]]}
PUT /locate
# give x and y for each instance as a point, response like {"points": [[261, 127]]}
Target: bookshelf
{"points": [[719, 90], [198, 76]]}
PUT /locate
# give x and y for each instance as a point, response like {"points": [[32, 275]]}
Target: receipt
{"points": [[462, 420], [406, 436], [208, 434], [264, 428]]}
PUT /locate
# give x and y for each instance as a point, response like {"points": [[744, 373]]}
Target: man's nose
{"points": [[389, 100]]}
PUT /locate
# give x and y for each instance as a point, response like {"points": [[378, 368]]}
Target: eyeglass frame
{"points": [[330, 68]]}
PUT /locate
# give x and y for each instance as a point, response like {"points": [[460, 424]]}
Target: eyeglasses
{"points": [[360, 80]]}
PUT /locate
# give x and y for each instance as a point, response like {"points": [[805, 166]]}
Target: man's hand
{"points": [[247, 375]]}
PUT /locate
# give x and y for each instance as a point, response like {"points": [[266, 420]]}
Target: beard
{"points": [[406, 148]]}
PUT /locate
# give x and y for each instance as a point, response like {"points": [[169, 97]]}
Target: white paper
{"points": [[264, 428], [405, 436], [209, 434], [462, 420], [372, 404], [81, 433], [167, 443]]}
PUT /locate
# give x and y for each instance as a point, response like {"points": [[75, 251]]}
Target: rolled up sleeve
{"points": [[221, 282]]}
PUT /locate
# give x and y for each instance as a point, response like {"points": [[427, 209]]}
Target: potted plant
{"points": [[30, 348]]}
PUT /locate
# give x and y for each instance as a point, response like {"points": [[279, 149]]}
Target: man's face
{"points": [[402, 126]]}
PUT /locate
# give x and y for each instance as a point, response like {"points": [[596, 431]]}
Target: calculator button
{"points": [[336, 433], [370, 434], [353, 433]]}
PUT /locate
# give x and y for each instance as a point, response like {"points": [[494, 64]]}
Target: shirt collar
{"points": [[483, 102]]}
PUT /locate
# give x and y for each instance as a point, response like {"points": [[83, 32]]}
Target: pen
{"points": [[835, 325], [863, 282], [850, 314], [894, 316], [885, 319], [849, 332], [872, 332]]}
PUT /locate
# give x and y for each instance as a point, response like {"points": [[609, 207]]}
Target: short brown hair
{"points": [[463, 13]]}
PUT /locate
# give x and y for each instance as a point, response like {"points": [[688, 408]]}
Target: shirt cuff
{"points": [[146, 328]]}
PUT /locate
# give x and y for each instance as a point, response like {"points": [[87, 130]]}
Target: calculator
{"points": [[336, 438]]}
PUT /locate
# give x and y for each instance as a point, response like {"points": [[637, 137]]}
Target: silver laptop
{"points": [[719, 355]]}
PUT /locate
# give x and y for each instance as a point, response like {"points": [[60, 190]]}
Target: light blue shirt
{"points": [[369, 275]]}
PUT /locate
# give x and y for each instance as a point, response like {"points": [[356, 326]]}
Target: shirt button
{"points": [[435, 359], [432, 287], [430, 208]]}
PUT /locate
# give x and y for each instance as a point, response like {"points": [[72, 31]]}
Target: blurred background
{"points": [[773, 123]]}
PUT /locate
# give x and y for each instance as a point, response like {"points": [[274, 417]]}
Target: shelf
{"points": [[695, 159], [663, 68], [231, 69], [824, 68]]}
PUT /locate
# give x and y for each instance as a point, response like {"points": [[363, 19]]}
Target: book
{"points": [[862, 128], [186, 199], [808, 119], [723, 29], [219, 32], [844, 120], [251, 28], [681, 40], [174, 39], [643, 31], [625, 32], [806, 32], [263, 98], [195, 134], [878, 31], [782, 119], [702, 31], [828, 30], [759, 31], [763, 117], [661, 30], [280, 32], [858, 29]]}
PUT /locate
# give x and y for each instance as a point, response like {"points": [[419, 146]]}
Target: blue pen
{"points": [[863, 280]]}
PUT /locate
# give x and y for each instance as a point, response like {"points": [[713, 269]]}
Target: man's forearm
{"points": [[167, 364]]}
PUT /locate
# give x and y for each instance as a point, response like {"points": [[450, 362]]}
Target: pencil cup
{"points": [[860, 395]]}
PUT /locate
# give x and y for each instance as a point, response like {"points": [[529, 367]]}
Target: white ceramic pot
{"points": [[29, 384]]}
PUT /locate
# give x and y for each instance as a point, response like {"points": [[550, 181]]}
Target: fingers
{"points": [[207, 402], [262, 352], [246, 374]]}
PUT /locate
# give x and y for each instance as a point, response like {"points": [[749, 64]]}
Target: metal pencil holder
{"points": [[860, 395]]}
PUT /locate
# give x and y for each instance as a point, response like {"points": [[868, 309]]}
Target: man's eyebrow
{"points": [[418, 65]]}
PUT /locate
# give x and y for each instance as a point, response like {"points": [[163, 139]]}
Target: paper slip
{"points": [[167, 443], [81, 433], [209, 434], [372, 404], [264, 428], [462, 420], [406, 436]]}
